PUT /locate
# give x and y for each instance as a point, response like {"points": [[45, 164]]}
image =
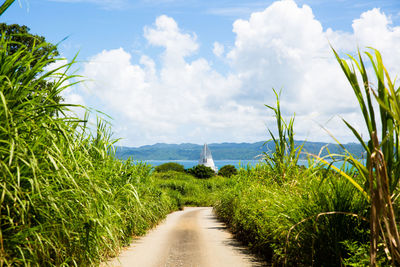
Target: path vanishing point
{"points": [[192, 237]]}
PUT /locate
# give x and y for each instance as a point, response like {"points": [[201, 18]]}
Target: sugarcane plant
{"points": [[286, 154], [380, 172]]}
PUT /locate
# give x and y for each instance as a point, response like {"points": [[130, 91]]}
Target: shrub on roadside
{"points": [[227, 171], [201, 171], [170, 166], [316, 215], [186, 190]]}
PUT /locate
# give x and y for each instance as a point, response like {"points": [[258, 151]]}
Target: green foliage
{"points": [[21, 46], [186, 190], [285, 156], [201, 171], [389, 111], [19, 36], [170, 166], [65, 199], [5, 5], [297, 221], [227, 171], [359, 255]]}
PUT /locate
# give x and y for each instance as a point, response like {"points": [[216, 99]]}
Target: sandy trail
{"points": [[190, 238]]}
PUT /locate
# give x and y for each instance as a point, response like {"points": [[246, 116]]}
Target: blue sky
{"points": [[200, 71], [94, 25]]}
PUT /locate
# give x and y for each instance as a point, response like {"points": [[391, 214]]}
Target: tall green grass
{"points": [[64, 197], [303, 221], [283, 159]]}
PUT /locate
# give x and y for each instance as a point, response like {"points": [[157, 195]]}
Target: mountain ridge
{"points": [[225, 150]]}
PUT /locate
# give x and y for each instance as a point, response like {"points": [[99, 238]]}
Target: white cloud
{"points": [[284, 46], [167, 34], [374, 29], [231, 11], [239, 9], [174, 102], [218, 49], [107, 4]]}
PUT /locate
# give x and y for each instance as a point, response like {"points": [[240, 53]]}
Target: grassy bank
{"points": [[306, 220], [65, 199]]}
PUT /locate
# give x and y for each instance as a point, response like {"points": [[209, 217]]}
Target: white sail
{"points": [[206, 158]]}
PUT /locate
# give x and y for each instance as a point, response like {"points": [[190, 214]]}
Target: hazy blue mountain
{"points": [[221, 151]]}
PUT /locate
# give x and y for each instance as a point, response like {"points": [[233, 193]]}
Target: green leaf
{"points": [[5, 5]]}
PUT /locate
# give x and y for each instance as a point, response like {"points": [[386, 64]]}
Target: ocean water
{"points": [[220, 163]]}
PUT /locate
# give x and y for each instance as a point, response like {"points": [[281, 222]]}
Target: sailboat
{"points": [[206, 158]]}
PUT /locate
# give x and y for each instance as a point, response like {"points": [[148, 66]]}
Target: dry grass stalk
{"points": [[381, 207]]}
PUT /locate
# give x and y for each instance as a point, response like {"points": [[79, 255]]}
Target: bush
{"points": [[186, 190], [227, 171], [170, 166], [201, 171]]}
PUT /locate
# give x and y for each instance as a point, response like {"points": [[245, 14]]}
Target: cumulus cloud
{"points": [[375, 29], [184, 99], [218, 49], [284, 46], [174, 101], [167, 34]]}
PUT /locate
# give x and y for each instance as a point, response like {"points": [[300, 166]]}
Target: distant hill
{"points": [[221, 151]]}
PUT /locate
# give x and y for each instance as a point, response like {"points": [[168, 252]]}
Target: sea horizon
{"points": [[218, 163]]}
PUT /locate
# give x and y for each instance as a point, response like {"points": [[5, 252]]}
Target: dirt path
{"points": [[189, 238]]}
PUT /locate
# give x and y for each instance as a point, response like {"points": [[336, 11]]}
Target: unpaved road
{"points": [[189, 238]]}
